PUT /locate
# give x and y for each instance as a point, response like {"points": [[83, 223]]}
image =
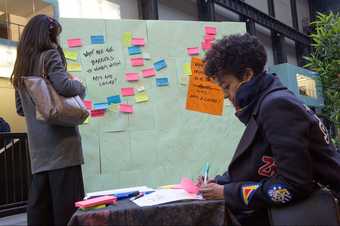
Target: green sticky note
{"points": [[187, 69], [127, 37], [74, 67], [71, 55]]}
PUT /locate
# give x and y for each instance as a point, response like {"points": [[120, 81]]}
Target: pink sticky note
{"points": [[208, 37], [138, 41], [127, 108], [128, 91], [206, 45], [98, 113], [149, 72], [109, 199], [88, 104], [74, 42], [137, 61], [193, 51], [189, 186], [210, 30], [131, 77]]}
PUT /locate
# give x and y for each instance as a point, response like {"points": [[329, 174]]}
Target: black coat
{"points": [[283, 152]]}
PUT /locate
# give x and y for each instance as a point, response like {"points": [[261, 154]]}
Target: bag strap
{"points": [[42, 65]]}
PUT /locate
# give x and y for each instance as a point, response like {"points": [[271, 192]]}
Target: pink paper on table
{"points": [[127, 108], [131, 77], [74, 42], [137, 61], [149, 72], [209, 37], [210, 30], [138, 41], [206, 45], [88, 104], [193, 51], [189, 186], [128, 91], [108, 199]]}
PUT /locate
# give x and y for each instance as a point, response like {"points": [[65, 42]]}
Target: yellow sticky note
{"points": [[87, 120], [73, 67], [184, 80], [187, 69], [141, 97], [127, 37], [71, 55], [113, 107]]}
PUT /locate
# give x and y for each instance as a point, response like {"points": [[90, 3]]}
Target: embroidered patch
{"points": [[279, 193], [248, 190], [269, 168]]}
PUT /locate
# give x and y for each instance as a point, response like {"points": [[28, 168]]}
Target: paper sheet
{"points": [[121, 190], [164, 196]]}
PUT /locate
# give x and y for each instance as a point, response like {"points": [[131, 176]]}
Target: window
{"points": [[306, 85]]}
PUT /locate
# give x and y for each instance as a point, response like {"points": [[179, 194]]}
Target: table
{"points": [[183, 213]]}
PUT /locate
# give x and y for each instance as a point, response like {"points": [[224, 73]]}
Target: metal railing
{"points": [[11, 31], [15, 173]]}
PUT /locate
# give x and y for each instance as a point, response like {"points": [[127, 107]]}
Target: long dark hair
{"points": [[40, 34]]}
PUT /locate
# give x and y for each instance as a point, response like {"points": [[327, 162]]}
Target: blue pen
{"points": [[126, 195]]}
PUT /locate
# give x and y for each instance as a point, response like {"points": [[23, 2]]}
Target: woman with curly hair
{"points": [[285, 151]]}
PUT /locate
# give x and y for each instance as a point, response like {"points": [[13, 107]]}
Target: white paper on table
{"points": [[164, 196], [117, 191]]}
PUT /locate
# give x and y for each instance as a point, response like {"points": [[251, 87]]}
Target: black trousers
{"points": [[52, 196]]}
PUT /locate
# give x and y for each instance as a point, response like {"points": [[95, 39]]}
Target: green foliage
{"points": [[325, 59]]}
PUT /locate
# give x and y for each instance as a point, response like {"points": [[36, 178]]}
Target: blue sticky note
{"points": [[100, 106], [162, 81], [114, 99], [97, 39], [133, 50], [159, 65]]}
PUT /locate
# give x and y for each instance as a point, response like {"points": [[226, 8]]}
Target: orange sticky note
{"points": [[210, 30], [138, 41], [137, 61], [128, 91], [74, 42], [126, 108], [131, 77], [149, 72], [203, 95], [193, 51]]}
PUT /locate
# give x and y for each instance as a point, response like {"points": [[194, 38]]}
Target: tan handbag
{"points": [[51, 107]]}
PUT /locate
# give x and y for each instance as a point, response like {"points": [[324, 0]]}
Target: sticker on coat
{"points": [[279, 193], [248, 191]]}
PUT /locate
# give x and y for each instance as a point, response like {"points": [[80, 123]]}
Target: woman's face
{"points": [[230, 84]]}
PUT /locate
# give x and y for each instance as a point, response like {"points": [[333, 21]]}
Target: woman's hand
{"points": [[212, 191], [200, 181]]}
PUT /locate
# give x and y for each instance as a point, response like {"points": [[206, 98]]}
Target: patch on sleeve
{"points": [[248, 191], [279, 193]]}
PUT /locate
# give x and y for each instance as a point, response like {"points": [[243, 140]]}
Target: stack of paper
{"points": [[164, 196]]}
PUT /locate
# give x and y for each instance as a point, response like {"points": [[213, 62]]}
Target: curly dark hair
{"points": [[233, 54]]}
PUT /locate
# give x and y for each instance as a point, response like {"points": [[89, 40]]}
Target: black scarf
{"points": [[249, 93]]}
